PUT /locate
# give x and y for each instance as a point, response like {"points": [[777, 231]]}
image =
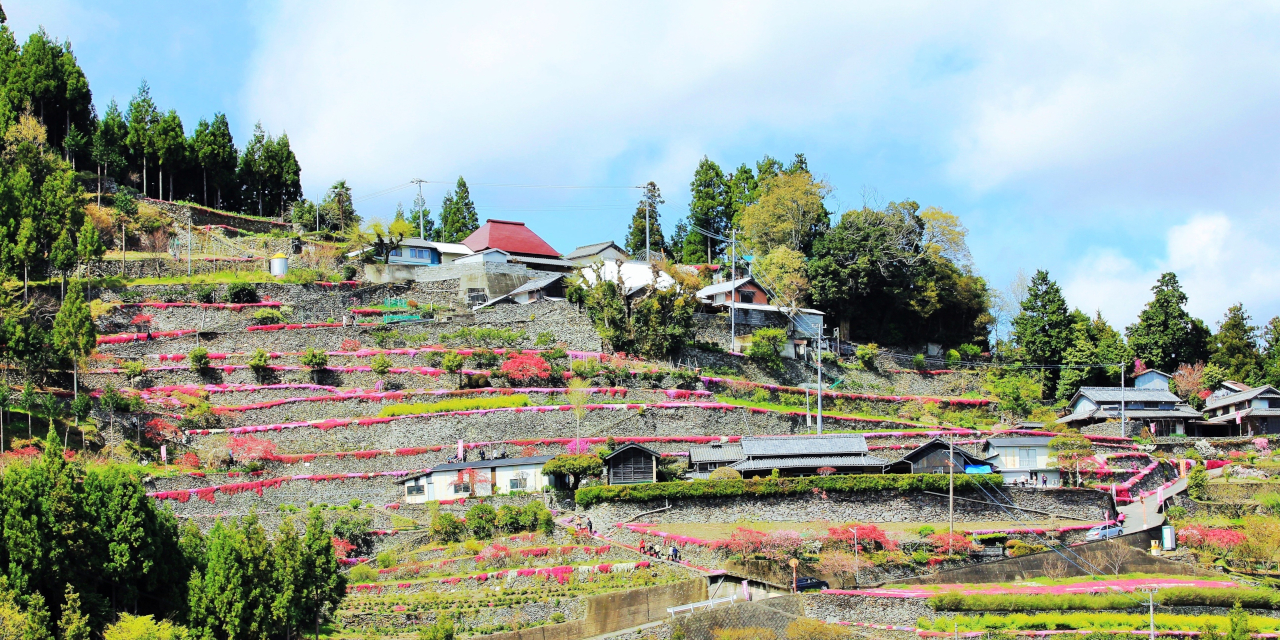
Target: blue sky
{"points": [[1105, 143]]}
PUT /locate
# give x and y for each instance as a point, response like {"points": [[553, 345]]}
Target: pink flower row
{"points": [[206, 493], [123, 338], [203, 305]]}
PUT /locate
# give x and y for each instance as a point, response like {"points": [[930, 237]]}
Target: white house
{"points": [[456, 479], [599, 252], [1023, 459]]}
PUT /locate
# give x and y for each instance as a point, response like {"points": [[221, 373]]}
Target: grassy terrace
{"points": [[899, 530]]}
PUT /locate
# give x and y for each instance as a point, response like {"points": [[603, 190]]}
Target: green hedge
{"points": [[1172, 597], [588, 496]]}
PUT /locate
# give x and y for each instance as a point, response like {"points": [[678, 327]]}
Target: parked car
{"points": [[805, 583], [1103, 531]]}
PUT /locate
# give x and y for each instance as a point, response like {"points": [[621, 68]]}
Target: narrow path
{"points": [[1144, 513]]}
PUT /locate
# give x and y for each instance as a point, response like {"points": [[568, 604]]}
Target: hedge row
{"points": [[1172, 597], [588, 496]]}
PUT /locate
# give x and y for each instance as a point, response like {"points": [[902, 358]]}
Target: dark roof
{"points": [[1023, 441], [413, 476], [593, 249], [1113, 394], [1240, 397], [716, 452], [512, 237], [723, 287], [632, 445], [838, 444], [938, 443], [486, 464], [794, 462]]}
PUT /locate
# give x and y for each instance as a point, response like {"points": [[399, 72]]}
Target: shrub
{"points": [[441, 630], [578, 466], [546, 523], [362, 573], [241, 293], [925, 531], [530, 515], [953, 359], [456, 404], [314, 359], [300, 275], [810, 629], [1176, 513], [204, 293], [259, 360], [524, 368], [445, 527], [766, 347], [508, 519], [131, 627], [381, 364], [386, 559], [866, 354], [134, 369], [725, 473], [949, 543], [588, 496], [1269, 500], [198, 359], [970, 351], [1198, 483], [349, 272], [918, 362], [480, 520], [268, 316]]}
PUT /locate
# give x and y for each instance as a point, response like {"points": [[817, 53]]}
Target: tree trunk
{"points": [[205, 174], [144, 175], [160, 190], [99, 185]]}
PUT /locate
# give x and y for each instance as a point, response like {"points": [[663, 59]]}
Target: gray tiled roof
{"points": [[1231, 417], [727, 452], [488, 464], [792, 462], [1024, 441], [1239, 397], [534, 285], [590, 249], [1113, 394], [939, 443], [838, 444]]}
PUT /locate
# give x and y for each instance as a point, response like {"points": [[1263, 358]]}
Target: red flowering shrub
{"points": [[142, 318], [826, 471], [869, 537], [341, 547], [526, 367], [189, 459], [529, 451], [1220, 540], [251, 448], [350, 345], [950, 543]]}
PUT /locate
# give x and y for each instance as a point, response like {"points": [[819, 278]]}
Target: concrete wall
{"points": [[615, 611]]}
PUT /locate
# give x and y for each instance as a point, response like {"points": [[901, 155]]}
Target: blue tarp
{"points": [[977, 468]]}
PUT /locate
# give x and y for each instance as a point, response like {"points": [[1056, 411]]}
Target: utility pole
{"points": [[648, 248], [951, 489], [856, 566], [820, 325], [1122, 422], [733, 293], [188, 243], [422, 215]]}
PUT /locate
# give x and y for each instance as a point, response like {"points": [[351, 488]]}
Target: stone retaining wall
{"points": [[883, 506]]}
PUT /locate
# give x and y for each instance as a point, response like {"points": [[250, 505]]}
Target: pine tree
{"points": [[1165, 334], [457, 214], [73, 625], [74, 334], [38, 623], [257, 619], [218, 600], [62, 257], [214, 148], [89, 249], [744, 191], [646, 209], [710, 208], [288, 579], [324, 584], [142, 117], [1235, 347], [1043, 329], [1271, 352], [171, 147]]}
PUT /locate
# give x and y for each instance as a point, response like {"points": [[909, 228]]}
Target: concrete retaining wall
{"points": [[615, 611]]}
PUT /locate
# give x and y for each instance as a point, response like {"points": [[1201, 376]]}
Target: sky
{"points": [[1104, 142]]}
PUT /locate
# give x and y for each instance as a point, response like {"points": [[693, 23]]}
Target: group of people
{"points": [[501, 454], [654, 550], [1025, 481], [579, 522]]}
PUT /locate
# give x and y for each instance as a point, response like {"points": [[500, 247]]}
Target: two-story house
{"points": [[1148, 403], [476, 478], [1246, 413], [1023, 460]]}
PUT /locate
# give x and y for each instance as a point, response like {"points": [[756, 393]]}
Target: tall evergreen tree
{"points": [[646, 210], [710, 209], [1235, 347], [62, 257], [1165, 334], [323, 584], [1043, 329], [1271, 352], [458, 217], [744, 191], [171, 148], [142, 117], [216, 152], [109, 144]]}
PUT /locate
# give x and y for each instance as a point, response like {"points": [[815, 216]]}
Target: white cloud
{"points": [[1217, 264]]}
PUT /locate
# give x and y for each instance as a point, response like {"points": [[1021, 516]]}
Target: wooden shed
{"points": [[632, 464]]}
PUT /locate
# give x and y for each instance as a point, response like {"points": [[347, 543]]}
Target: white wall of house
{"points": [[445, 486]]}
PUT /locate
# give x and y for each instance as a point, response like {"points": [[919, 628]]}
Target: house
{"points": [[705, 458], [934, 457], [521, 245], [1228, 387], [632, 464], [419, 252], [740, 290], [547, 288], [1154, 407], [1244, 413], [599, 252], [1023, 460], [456, 479], [635, 275], [798, 456]]}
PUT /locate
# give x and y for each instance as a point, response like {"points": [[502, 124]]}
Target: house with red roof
{"points": [[520, 244]]}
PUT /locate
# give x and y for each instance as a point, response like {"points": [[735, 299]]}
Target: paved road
{"points": [[1143, 514]]}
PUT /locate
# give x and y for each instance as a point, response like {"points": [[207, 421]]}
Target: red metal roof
{"points": [[512, 237]]}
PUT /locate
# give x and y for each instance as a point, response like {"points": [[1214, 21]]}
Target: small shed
{"points": [[632, 464]]}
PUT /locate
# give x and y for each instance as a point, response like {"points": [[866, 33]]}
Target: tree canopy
{"points": [[1165, 335]]}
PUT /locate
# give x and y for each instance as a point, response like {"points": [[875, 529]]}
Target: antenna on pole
{"points": [[422, 215]]}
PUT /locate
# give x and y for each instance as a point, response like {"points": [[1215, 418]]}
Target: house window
{"points": [[461, 487], [747, 296], [1026, 458], [395, 252], [1273, 404], [414, 490], [519, 483]]}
